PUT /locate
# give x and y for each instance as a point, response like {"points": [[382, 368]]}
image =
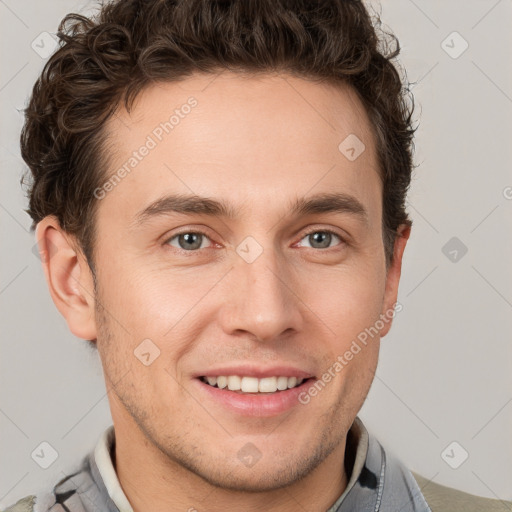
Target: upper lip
{"points": [[255, 371]]}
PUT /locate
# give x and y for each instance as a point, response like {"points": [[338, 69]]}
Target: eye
{"points": [[192, 241], [321, 238], [188, 240]]}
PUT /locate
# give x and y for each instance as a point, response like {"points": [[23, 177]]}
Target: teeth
{"points": [[267, 385], [253, 384], [249, 385], [234, 383], [282, 383]]}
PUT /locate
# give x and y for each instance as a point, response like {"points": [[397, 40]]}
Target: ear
{"points": [[68, 276], [393, 276]]}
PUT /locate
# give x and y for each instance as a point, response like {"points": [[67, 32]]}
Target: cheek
{"points": [[348, 302], [154, 317], [351, 307], [148, 301], [166, 304]]}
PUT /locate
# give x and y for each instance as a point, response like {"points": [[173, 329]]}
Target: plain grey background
{"points": [[443, 387]]}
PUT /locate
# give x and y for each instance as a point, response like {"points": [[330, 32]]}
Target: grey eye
{"points": [[320, 239], [189, 241]]}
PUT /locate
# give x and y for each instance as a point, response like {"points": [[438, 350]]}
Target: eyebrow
{"points": [[197, 205]]}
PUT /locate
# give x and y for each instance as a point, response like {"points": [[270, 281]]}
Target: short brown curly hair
{"points": [[105, 61]]}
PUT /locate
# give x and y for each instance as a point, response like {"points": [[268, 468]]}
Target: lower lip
{"points": [[261, 404]]}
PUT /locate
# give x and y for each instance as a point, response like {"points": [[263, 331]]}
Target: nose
{"points": [[260, 299]]}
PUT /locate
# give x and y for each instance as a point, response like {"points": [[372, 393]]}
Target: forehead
{"points": [[261, 140]]}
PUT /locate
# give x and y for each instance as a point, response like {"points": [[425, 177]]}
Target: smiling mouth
{"points": [[253, 385]]}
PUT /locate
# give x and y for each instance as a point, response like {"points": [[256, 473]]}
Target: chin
{"points": [[266, 478], [250, 470]]}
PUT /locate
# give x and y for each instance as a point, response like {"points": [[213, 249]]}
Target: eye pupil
{"points": [[192, 241], [320, 237]]}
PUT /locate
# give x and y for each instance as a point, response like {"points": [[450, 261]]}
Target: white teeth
{"points": [[282, 383], [268, 385], [249, 385], [222, 382], [234, 383], [253, 384]]}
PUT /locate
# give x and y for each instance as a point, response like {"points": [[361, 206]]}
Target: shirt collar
{"points": [[103, 459], [357, 447]]}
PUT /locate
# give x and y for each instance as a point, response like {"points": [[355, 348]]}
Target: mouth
{"points": [[253, 385], [255, 396]]}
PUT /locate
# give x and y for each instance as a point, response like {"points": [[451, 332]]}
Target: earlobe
{"points": [[393, 276], [68, 277]]}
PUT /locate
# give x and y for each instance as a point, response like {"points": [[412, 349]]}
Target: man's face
{"points": [[268, 292]]}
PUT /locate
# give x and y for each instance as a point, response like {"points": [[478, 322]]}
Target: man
{"points": [[218, 194]]}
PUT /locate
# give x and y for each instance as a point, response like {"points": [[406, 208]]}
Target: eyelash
{"points": [[200, 232]]}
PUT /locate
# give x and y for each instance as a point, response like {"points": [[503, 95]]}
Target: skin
{"points": [[258, 143]]}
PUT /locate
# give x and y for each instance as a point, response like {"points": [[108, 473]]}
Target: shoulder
{"points": [[43, 501], [39, 502], [446, 499], [65, 495], [24, 505]]}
